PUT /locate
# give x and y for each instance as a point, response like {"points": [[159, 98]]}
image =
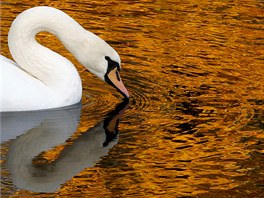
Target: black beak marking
{"points": [[117, 76]]}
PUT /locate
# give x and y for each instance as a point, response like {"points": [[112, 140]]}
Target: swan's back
{"points": [[18, 90], [4, 61]]}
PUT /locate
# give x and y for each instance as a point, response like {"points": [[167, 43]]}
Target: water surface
{"points": [[195, 122]]}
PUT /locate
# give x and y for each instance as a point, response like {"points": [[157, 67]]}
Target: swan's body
{"points": [[43, 79], [21, 91]]}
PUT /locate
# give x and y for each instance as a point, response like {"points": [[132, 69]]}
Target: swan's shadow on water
{"points": [[44, 130]]}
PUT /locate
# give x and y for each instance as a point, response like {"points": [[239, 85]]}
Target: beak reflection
{"points": [[111, 122]]}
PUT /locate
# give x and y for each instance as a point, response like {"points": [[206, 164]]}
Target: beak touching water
{"points": [[114, 79]]}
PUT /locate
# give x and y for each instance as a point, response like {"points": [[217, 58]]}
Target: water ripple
{"points": [[194, 71]]}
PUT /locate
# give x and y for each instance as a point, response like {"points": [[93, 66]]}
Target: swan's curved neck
{"points": [[49, 67]]}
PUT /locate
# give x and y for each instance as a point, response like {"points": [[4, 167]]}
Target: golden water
{"points": [[195, 122]]}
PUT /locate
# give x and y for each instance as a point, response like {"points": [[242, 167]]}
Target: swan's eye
{"points": [[111, 64]]}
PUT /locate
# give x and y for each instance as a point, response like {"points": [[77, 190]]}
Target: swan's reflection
{"points": [[55, 129]]}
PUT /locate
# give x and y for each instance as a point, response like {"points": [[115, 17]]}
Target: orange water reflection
{"points": [[195, 73]]}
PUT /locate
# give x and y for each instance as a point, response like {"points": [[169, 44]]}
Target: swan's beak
{"points": [[114, 79]]}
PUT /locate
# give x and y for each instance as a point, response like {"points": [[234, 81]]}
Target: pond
{"points": [[194, 126]]}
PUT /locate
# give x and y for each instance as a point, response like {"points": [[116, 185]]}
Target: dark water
{"points": [[195, 122]]}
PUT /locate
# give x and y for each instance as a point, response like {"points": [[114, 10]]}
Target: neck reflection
{"points": [[24, 158]]}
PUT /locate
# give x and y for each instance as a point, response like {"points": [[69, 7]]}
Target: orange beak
{"points": [[116, 81]]}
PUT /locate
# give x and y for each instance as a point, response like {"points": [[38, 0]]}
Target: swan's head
{"points": [[102, 60]]}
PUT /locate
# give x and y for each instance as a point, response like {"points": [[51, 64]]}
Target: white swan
{"points": [[43, 79]]}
